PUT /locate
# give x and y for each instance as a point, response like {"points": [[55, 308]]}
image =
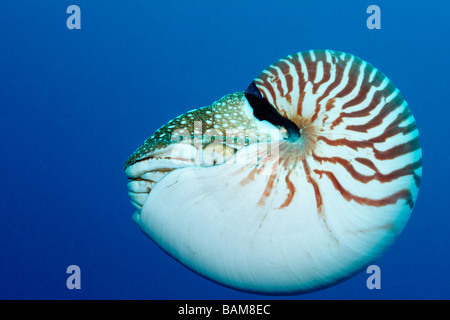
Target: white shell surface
{"points": [[225, 235]]}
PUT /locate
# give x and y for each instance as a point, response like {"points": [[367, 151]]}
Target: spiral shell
{"points": [[294, 185]]}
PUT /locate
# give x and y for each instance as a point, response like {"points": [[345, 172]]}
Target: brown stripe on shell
{"points": [[392, 199]]}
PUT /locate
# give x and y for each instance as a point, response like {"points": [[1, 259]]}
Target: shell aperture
{"points": [[294, 185]]}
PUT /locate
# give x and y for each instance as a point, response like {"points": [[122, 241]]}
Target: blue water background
{"points": [[74, 104]]}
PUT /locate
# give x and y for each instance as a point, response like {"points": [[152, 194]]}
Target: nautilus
{"points": [[294, 185]]}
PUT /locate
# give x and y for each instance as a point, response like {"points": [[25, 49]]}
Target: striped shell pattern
{"points": [[294, 185]]}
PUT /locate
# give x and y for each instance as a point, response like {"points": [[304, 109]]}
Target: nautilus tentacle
{"points": [[295, 184]]}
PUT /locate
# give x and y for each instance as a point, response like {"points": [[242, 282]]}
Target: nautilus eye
{"points": [[294, 185]]}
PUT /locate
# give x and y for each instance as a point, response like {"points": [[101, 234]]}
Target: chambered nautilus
{"points": [[294, 185]]}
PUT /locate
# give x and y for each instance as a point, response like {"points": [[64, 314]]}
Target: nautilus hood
{"points": [[293, 185]]}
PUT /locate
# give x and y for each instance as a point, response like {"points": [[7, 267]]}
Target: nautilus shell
{"points": [[294, 185]]}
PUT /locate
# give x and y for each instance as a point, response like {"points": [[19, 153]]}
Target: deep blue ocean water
{"points": [[74, 104]]}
